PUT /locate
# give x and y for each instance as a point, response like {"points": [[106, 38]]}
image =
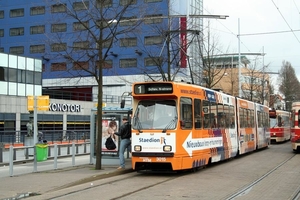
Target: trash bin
{"points": [[41, 152]]}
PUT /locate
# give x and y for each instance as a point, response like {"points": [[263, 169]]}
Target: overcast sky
{"points": [[269, 26]]}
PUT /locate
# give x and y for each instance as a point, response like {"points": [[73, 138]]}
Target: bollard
{"points": [[34, 160], [68, 149], [1, 155], [58, 150], [49, 150], [84, 149], [15, 154], [26, 153], [55, 156], [73, 154], [1, 151], [11, 163]]}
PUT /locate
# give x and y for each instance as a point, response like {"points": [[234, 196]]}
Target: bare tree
{"points": [[254, 86], [96, 28], [213, 66], [164, 61], [288, 83]]}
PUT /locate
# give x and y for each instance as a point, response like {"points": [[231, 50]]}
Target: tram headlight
{"points": [[167, 148], [137, 148]]}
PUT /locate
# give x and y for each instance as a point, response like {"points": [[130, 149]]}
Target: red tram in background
{"points": [[295, 130], [280, 125]]}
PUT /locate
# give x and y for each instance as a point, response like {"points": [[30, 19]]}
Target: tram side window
{"points": [[259, 119], [252, 118], [213, 116], [248, 117], [197, 113], [285, 121], [267, 121], [206, 113], [232, 117], [242, 117], [280, 123], [221, 116], [186, 115], [227, 116]]}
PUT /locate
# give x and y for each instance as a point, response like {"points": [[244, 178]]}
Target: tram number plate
{"points": [[161, 159]]}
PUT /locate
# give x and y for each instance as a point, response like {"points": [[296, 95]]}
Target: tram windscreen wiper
{"points": [[171, 124], [139, 124]]}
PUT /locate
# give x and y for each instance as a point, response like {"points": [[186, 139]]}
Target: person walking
{"points": [[125, 134]]}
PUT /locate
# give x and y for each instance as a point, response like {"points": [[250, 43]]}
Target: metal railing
{"points": [[51, 136], [31, 154]]}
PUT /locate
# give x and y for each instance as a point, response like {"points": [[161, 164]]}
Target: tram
{"points": [[280, 125], [178, 126], [295, 130]]}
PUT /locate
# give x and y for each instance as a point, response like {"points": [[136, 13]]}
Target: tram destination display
{"points": [[155, 88]]}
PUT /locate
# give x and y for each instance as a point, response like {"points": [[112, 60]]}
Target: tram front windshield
{"points": [[155, 114], [273, 122]]}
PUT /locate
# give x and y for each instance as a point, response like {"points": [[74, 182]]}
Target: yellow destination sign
{"points": [[42, 103]]}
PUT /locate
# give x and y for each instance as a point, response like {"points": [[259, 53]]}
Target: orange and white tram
{"points": [[177, 126], [295, 130], [280, 125]]}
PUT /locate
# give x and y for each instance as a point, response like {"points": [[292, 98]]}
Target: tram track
{"points": [[247, 188], [268, 174], [155, 180]]}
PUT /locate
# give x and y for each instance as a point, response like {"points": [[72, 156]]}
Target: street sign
{"points": [[42, 103]]}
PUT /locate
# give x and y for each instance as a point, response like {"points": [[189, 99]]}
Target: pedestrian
{"points": [[125, 135]]}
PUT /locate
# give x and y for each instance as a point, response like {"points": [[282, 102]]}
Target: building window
{"points": [[12, 75], [59, 8], [80, 65], [84, 45], [150, 40], [16, 31], [127, 63], [58, 27], [152, 1], [107, 64], [38, 78], [153, 61], [3, 72], [81, 5], [40, 10], [105, 3], [1, 32], [1, 14], [37, 29], [59, 66], [16, 50], [127, 2], [37, 48], [128, 42], [1, 50], [106, 43], [128, 21], [58, 47], [80, 26], [29, 77], [17, 12], [153, 19]]}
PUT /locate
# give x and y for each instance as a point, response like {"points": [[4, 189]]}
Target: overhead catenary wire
{"points": [[285, 21]]}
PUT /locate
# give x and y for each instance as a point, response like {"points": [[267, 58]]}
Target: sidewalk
{"points": [[31, 184]]}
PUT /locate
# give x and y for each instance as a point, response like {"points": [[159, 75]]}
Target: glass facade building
{"points": [[20, 76]]}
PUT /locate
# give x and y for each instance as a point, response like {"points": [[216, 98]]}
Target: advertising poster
{"points": [[110, 141]]}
